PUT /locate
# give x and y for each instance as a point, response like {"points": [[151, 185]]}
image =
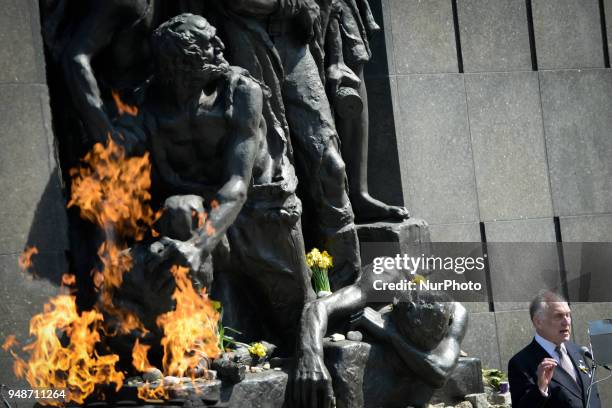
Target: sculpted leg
{"points": [[321, 170], [354, 134]]}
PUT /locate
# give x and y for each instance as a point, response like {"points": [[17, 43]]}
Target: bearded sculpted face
{"points": [[186, 48]]}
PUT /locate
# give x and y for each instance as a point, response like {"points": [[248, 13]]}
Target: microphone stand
{"points": [[593, 370]]}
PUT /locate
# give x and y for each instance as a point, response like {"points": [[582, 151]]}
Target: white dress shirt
{"points": [[550, 347]]}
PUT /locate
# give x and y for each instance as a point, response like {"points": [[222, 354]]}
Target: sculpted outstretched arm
{"points": [[436, 365], [94, 33], [433, 366], [317, 313], [313, 388], [240, 154]]}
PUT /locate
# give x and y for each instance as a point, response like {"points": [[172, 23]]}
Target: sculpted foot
{"points": [[368, 209]]}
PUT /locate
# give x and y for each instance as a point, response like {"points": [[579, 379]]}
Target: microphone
{"points": [[584, 350], [587, 353]]}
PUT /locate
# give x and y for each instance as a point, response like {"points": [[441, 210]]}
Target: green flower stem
{"points": [[320, 279]]}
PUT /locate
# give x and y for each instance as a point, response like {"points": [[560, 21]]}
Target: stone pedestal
{"points": [[257, 390], [346, 362], [465, 379], [369, 374], [390, 238], [478, 400]]}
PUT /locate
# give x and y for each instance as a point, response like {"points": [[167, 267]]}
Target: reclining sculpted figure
{"points": [[423, 329]]}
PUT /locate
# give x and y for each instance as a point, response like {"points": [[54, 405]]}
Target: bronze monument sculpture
{"points": [[424, 329], [244, 125], [208, 136]]}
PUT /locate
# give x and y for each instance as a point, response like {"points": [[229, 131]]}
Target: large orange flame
{"points": [[76, 367], [140, 361], [190, 335], [112, 190], [190, 331]]}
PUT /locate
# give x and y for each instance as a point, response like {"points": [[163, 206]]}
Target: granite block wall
{"points": [[32, 212], [504, 134]]}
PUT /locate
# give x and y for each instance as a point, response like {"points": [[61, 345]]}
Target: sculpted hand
{"points": [[182, 253], [312, 387], [375, 324], [545, 372], [339, 75], [162, 249]]}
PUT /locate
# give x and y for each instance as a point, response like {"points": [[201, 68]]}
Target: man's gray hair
{"points": [[540, 302]]}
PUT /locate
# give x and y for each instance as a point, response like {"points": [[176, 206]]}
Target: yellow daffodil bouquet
{"points": [[258, 350], [320, 263]]}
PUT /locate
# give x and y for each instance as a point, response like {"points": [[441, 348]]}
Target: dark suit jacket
{"points": [[563, 391]]}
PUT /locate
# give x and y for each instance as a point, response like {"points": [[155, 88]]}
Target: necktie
{"points": [[565, 362]]}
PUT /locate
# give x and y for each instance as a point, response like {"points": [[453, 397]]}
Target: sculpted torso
{"points": [[194, 139]]}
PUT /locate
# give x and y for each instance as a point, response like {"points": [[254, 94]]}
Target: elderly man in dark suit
{"points": [[550, 372]]}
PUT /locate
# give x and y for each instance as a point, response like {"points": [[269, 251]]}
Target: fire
{"points": [[76, 367], [149, 393], [68, 279], [116, 263], [25, 259], [190, 331], [122, 107], [112, 191], [200, 216], [190, 335], [10, 342], [140, 361]]}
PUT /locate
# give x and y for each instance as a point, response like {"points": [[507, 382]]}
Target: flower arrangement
{"points": [[320, 263], [418, 279], [226, 342], [258, 349], [494, 378]]}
